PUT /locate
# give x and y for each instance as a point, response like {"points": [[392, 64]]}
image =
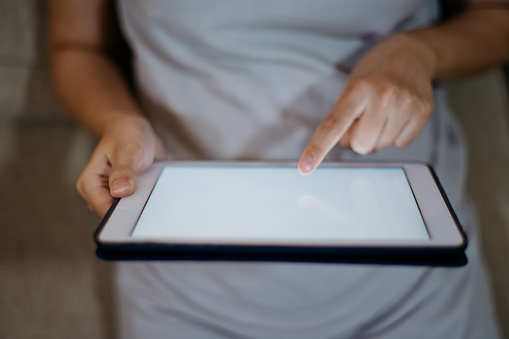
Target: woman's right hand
{"points": [[96, 95], [127, 148]]}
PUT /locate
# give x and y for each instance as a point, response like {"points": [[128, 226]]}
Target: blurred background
{"points": [[51, 283]]}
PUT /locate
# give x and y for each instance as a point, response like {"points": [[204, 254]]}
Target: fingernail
{"points": [[119, 186], [307, 165]]}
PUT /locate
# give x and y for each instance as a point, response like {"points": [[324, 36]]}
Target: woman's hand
{"points": [[387, 101], [127, 148]]}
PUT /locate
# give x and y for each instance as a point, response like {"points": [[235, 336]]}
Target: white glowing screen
{"points": [[191, 204]]}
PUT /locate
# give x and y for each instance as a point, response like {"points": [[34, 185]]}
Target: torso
{"points": [[252, 80]]}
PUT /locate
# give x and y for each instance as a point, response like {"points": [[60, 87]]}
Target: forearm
{"points": [[474, 41], [91, 88]]}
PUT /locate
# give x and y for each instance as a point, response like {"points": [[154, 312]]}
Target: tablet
{"points": [[378, 213]]}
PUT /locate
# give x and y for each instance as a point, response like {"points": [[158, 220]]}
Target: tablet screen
{"points": [[225, 204]]}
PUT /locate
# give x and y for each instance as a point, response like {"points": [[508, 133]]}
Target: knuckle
{"points": [[425, 108], [133, 148], [389, 89], [120, 168], [330, 124], [121, 173], [359, 85], [386, 91], [411, 99], [128, 157], [421, 106]]}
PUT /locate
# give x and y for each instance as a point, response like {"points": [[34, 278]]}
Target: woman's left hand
{"points": [[387, 101]]}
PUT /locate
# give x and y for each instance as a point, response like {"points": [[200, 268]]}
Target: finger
{"points": [[351, 105], [93, 187], [408, 133], [371, 124], [347, 136], [365, 133], [393, 126], [126, 162], [414, 125], [391, 130], [101, 202]]}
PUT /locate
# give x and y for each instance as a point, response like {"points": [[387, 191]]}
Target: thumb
{"points": [[125, 165]]}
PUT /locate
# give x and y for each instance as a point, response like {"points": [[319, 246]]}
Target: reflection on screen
{"points": [[278, 205]]}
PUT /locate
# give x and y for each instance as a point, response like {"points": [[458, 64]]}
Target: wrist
{"points": [[122, 119], [416, 43]]}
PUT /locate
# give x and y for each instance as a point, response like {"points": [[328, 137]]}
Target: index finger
{"points": [[349, 107]]}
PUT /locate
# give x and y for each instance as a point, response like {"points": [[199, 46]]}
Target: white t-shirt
{"points": [[230, 79]]}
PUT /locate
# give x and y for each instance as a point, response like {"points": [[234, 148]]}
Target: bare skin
{"points": [[387, 100], [96, 96]]}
